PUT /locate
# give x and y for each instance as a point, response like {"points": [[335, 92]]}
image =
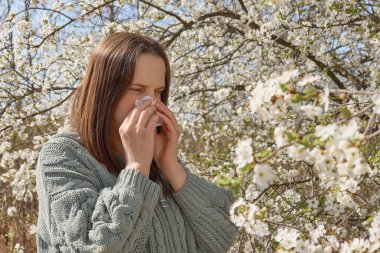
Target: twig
{"points": [[278, 185], [373, 116], [240, 240], [363, 200], [353, 92], [273, 153], [368, 137], [357, 113], [348, 216]]}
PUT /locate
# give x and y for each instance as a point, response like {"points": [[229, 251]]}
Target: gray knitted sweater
{"points": [[85, 208]]}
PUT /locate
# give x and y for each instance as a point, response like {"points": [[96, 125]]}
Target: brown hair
{"points": [[109, 73]]}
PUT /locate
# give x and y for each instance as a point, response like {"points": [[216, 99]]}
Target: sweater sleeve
{"points": [[206, 207], [83, 217]]}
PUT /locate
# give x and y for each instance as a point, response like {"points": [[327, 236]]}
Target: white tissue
{"points": [[138, 102]]}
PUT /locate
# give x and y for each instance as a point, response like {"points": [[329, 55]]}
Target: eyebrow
{"points": [[139, 84]]}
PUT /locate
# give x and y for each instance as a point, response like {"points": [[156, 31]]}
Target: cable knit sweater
{"points": [[85, 208]]}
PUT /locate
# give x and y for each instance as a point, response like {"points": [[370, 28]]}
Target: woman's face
{"points": [[148, 80]]}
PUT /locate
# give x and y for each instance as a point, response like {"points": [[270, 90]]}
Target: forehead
{"points": [[149, 70]]}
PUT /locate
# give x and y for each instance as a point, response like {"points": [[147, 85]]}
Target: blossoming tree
{"points": [[277, 99]]}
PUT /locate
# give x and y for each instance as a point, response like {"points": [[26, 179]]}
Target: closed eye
{"points": [[138, 90]]}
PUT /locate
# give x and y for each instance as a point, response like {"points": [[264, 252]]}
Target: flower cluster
{"points": [[278, 100], [330, 168]]}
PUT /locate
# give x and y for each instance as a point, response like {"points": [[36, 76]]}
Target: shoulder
{"points": [[63, 162], [65, 149], [62, 143]]}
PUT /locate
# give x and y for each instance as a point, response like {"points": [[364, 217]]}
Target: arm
{"points": [[81, 216], [206, 207]]}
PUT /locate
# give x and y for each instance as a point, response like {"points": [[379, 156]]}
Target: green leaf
{"points": [[317, 141], [310, 93], [345, 113], [288, 54], [263, 153], [363, 123], [352, 10], [322, 199], [284, 87], [306, 142], [236, 185], [325, 118], [223, 181], [291, 136], [296, 98], [247, 168], [336, 6], [236, 182], [258, 216], [371, 218]]}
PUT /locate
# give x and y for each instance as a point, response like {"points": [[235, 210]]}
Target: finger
{"points": [[168, 122], [166, 111], [152, 122], [136, 111], [145, 116]]}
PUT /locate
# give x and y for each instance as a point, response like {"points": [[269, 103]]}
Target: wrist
{"points": [[138, 167], [170, 165], [176, 175]]}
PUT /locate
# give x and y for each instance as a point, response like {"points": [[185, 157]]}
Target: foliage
{"points": [[276, 99]]}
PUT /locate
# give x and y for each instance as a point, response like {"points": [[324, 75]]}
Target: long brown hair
{"points": [[109, 73]]}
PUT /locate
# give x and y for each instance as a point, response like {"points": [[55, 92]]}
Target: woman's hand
{"points": [[137, 137], [166, 142]]}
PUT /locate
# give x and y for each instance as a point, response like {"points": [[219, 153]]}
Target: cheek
{"points": [[122, 111]]}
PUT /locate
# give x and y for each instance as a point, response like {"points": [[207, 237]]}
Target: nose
{"points": [[150, 93], [154, 94]]}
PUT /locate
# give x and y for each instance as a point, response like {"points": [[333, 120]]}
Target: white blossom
{"points": [[311, 111], [279, 136], [303, 246], [257, 72], [11, 211], [287, 237], [32, 229], [19, 248], [237, 218], [312, 203], [263, 175], [222, 94], [318, 232], [307, 79], [243, 152], [325, 131], [376, 100]]}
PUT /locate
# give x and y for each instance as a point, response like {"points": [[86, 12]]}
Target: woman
{"points": [[109, 181]]}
